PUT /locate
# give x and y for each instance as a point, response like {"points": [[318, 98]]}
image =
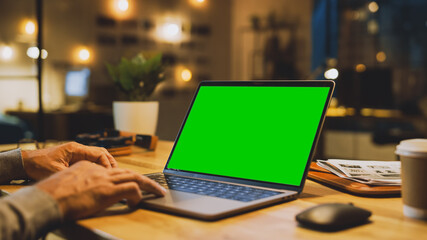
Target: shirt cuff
{"points": [[38, 210], [11, 166]]}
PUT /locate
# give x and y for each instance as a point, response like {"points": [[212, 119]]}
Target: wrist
{"points": [[32, 162], [24, 156], [26, 162]]}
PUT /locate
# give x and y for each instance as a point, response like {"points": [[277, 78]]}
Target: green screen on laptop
{"points": [[253, 132]]}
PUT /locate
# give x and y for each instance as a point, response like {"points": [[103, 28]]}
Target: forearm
{"points": [[11, 166], [27, 214]]}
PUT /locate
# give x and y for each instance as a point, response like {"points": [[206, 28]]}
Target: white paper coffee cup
{"points": [[413, 156]]}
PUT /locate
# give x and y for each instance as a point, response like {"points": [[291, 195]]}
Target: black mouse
{"points": [[333, 216]]}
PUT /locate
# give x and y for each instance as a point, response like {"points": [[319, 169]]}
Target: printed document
{"points": [[367, 172]]}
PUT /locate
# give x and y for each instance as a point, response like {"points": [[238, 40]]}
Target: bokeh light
{"points": [[170, 31], [33, 52], [381, 56], [6, 53], [186, 75], [360, 67], [84, 54], [331, 73], [30, 27], [373, 7], [122, 5]]}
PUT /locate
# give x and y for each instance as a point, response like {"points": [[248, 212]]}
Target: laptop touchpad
{"points": [[171, 197]]}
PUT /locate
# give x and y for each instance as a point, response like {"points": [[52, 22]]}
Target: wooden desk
{"points": [[275, 222]]}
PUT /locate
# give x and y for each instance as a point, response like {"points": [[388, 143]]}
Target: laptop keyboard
{"points": [[209, 188]]}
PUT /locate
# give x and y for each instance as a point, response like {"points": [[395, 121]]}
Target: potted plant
{"points": [[137, 79]]}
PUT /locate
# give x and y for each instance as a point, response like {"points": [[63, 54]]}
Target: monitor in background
{"points": [[76, 86]]}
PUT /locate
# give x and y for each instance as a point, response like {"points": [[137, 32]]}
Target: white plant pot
{"points": [[136, 117]]}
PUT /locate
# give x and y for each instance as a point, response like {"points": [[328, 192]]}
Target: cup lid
{"points": [[417, 145]]}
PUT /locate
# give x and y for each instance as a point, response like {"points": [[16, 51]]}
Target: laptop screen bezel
{"points": [[267, 83]]}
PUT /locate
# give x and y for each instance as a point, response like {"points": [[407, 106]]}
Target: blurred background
{"points": [[54, 82]]}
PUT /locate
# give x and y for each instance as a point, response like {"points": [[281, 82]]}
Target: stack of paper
{"points": [[367, 172]]}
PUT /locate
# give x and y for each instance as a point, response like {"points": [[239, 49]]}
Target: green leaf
{"points": [[113, 72], [130, 73]]}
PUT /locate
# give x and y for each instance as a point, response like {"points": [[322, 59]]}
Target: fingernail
{"points": [[163, 189]]}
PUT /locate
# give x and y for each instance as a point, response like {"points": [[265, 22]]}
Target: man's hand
{"points": [[87, 188], [39, 164]]}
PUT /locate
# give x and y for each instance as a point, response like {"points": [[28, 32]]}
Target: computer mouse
{"points": [[333, 216]]}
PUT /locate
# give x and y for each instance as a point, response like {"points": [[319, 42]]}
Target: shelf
{"points": [[17, 77]]}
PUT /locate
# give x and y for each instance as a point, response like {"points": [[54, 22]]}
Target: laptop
{"points": [[243, 145]]}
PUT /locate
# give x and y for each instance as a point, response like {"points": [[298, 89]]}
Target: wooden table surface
{"points": [[274, 222]]}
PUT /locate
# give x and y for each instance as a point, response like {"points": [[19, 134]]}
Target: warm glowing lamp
{"points": [[6, 53], [381, 56], [331, 73], [170, 31], [30, 27], [33, 52], [186, 75], [373, 7], [44, 54], [122, 5], [84, 54], [360, 67]]}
